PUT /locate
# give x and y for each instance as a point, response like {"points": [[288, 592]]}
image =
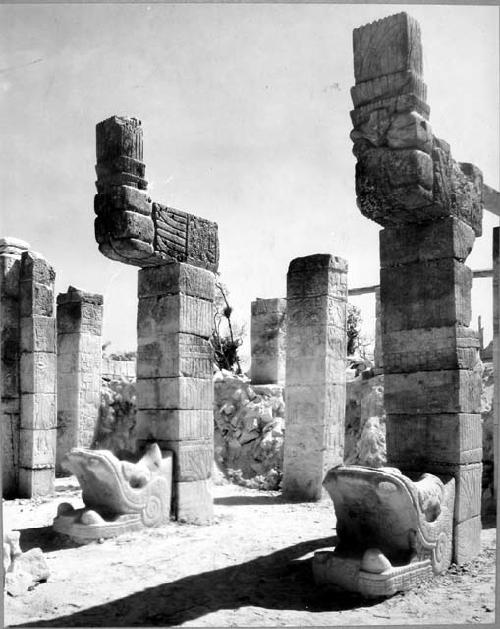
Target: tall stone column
{"points": [[37, 437], [496, 350], [430, 208], [315, 373], [378, 354], [11, 250], [79, 350], [174, 378], [268, 341]]}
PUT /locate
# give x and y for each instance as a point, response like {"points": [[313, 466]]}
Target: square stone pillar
{"points": [[37, 437], [430, 207], [378, 354], [268, 341], [174, 379], [11, 250], [79, 351], [315, 373], [496, 351]]}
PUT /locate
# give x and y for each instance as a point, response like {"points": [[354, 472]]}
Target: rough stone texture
{"points": [[37, 376], [268, 341], [22, 571], [11, 250], [130, 227], [496, 353], [249, 431], [117, 418], [174, 385], [316, 345], [391, 531], [79, 341], [119, 496], [431, 209]]}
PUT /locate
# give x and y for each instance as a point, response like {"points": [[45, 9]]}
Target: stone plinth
{"points": [[11, 250], [174, 378], [37, 437], [79, 343], [315, 373], [268, 341], [430, 207]]}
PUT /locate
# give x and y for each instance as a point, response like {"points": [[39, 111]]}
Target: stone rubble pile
{"points": [[117, 417], [249, 427], [22, 571]]}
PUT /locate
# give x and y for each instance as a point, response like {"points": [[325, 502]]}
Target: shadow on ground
{"points": [[281, 581], [251, 500], [45, 538]]}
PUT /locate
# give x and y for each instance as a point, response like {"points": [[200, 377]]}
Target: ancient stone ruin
{"points": [[178, 254], [268, 341], [430, 209], [315, 373], [28, 371], [79, 341]]}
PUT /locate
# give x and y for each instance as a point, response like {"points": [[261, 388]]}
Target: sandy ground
{"points": [[251, 568]]}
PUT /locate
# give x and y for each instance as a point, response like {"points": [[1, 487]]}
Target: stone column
{"points": [[496, 350], [268, 341], [37, 440], [11, 250], [378, 354], [79, 349], [174, 379], [430, 208], [315, 373]]}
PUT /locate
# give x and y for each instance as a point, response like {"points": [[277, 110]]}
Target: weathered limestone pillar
{"points": [[178, 253], [79, 350], [268, 341], [11, 250], [174, 378], [431, 210], [378, 354], [496, 350], [38, 368], [315, 373]]}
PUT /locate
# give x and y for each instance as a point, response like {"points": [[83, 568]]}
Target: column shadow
{"points": [[279, 581]]}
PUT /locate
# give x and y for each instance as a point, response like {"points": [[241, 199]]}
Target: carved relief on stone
{"points": [[392, 532], [131, 228], [119, 496]]}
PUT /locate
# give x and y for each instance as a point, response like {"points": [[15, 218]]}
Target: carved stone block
{"points": [[174, 425], [171, 314], [425, 295], [181, 354], [194, 502], [176, 278], [38, 372], [36, 299], [35, 482], [392, 532], [268, 340], [387, 46], [317, 275], [424, 392], [119, 496], [193, 460], [429, 349], [38, 334], [445, 238], [174, 393], [466, 540], [39, 411], [37, 448], [418, 442]]}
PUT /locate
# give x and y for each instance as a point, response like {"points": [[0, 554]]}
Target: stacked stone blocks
{"points": [[268, 341], [79, 350], [430, 208], [315, 373], [178, 253], [28, 371]]}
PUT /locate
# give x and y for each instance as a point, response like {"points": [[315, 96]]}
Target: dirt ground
{"points": [[251, 568]]}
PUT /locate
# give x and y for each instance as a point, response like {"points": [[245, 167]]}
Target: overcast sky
{"points": [[245, 111]]}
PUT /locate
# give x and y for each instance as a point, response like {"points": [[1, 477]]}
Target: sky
{"points": [[245, 111]]}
